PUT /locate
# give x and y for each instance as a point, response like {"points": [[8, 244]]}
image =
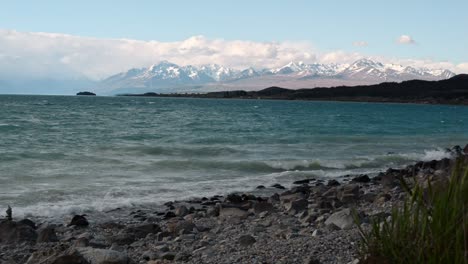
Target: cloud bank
{"points": [[405, 39], [37, 54]]}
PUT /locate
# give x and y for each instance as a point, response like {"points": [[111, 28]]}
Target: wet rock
{"points": [[361, 179], [28, 222], [13, 232], [169, 215], [46, 234], [234, 198], [306, 181], [260, 187], [79, 220], [278, 186], [342, 219], [246, 240], [333, 183]]}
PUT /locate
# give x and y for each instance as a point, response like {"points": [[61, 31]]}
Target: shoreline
{"points": [[310, 222]]}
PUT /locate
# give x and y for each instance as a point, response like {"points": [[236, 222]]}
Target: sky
{"points": [[95, 39]]}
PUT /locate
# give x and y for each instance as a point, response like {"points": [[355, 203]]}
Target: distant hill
{"points": [[449, 91]]}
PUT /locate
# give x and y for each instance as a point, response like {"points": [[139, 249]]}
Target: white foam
{"points": [[435, 155]]}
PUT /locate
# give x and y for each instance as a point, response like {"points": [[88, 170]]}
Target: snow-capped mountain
{"points": [[166, 76]]}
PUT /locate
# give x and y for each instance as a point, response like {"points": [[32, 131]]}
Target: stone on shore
{"points": [[79, 220], [263, 207], [16, 232], [46, 235], [225, 213], [246, 240], [342, 219], [103, 256]]}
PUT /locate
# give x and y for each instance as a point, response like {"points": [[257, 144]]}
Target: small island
{"points": [[86, 93]]}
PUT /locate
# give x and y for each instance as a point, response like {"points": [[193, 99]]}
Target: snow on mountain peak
{"points": [[168, 74]]}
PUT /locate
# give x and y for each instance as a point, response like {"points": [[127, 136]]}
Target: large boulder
{"points": [[342, 219], [16, 232], [103, 256]]}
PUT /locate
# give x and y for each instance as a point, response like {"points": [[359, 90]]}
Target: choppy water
{"points": [[59, 154]]}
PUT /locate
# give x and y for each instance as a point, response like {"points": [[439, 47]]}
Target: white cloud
{"points": [[405, 39], [64, 56], [463, 67], [360, 44], [40, 54]]}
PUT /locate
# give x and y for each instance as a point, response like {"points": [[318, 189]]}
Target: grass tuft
{"points": [[430, 227]]}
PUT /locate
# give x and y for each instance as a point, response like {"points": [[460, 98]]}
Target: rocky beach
{"points": [[314, 221]]}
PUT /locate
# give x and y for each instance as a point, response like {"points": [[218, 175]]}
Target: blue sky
{"points": [[439, 29]]}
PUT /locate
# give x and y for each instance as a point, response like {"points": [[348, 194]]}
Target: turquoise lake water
{"points": [[65, 153]]}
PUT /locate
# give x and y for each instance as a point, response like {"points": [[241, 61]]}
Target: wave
{"points": [[204, 151]]}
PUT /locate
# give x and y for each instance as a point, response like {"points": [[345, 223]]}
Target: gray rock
{"points": [[103, 256], [225, 213], [246, 240], [168, 256], [212, 211], [312, 260], [182, 211], [141, 231], [82, 242], [263, 207], [288, 197], [46, 234], [13, 232], [79, 220], [342, 219], [122, 238], [56, 256], [317, 232], [180, 226], [297, 206]]}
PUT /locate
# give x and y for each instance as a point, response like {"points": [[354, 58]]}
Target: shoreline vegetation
{"points": [[450, 91], [354, 219]]}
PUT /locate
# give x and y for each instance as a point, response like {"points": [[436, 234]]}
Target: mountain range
{"points": [[169, 77]]}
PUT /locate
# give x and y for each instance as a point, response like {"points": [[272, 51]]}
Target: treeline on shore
{"points": [[449, 91]]}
